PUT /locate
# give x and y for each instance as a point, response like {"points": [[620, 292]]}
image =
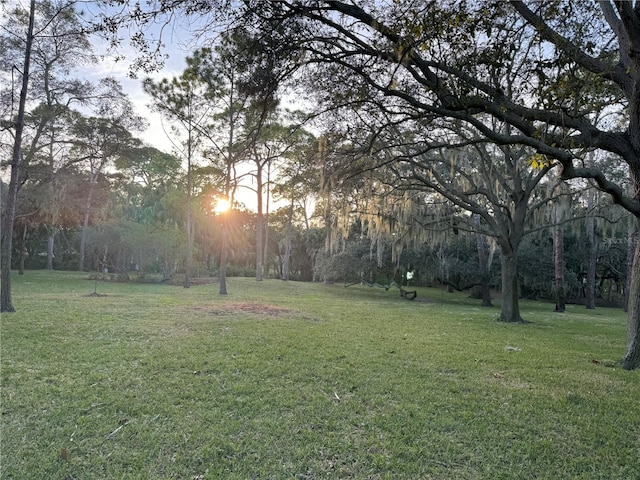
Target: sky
{"points": [[177, 46], [154, 134]]}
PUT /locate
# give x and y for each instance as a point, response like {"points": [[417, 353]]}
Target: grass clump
{"points": [[307, 381]]}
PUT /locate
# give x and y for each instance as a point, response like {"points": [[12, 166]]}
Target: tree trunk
{"points": [[224, 254], [23, 250], [83, 241], [222, 270], [328, 245], [326, 188], [590, 283], [259, 223], [189, 253], [510, 309], [224, 251], [286, 259], [483, 260], [259, 249], [558, 261], [105, 259], [312, 263], [631, 359], [50, 243], [632, 239], [287, 244], [265, 248], [85, 222], [6, 304]]}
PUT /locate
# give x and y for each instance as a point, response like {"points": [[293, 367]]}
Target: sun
{"points": [[221, 205]]}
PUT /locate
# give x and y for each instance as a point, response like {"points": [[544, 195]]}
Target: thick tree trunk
{"points": [[632, 239], [510, 309], [629, 45], [631, 359], [558, 256]]}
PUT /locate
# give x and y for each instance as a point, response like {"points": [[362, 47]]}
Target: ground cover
{"points": [[307, 381]]}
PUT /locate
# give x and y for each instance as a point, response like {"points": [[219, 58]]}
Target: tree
{"points": [[590, 281], [276, 143], [264, 63], [55, 44], [483, 262], [182, 100], [149, 168], [243, 89], [559, 215], [258, 66], [58, 44], [6, 304], [47, 164], [228, 152], [98, 142], [297, 184], [216, 69], [497, 184]]}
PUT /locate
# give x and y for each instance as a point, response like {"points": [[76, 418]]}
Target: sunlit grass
{"points": [[304, 381]]}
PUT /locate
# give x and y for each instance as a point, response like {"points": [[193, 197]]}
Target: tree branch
{"points": [[616, 74]]}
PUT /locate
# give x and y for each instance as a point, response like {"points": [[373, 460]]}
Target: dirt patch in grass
{"points": [[263, 309]]}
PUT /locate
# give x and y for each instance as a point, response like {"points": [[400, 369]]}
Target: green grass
{"points": [[307, 381]]}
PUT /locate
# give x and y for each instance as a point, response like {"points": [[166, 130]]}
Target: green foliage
{"points": [[535, 261], [150, 167], [241, 271], [299, 380], [454, 263], [349, 265]]}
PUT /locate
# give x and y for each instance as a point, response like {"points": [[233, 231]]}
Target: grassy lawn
{"points": [[307, 381]]}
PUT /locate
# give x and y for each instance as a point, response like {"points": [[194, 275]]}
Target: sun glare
{"points": [[221, 205]]}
